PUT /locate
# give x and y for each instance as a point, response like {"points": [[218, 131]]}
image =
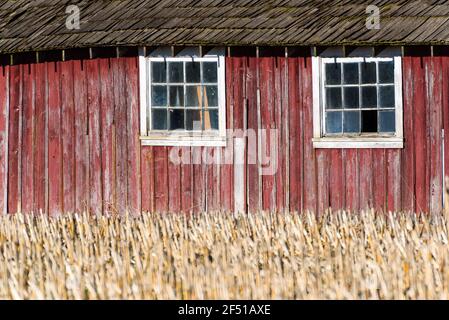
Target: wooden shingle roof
{"points": [[29, 25]]}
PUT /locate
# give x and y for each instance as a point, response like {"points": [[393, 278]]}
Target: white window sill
{"points": [[183, 141], [358, 143]]}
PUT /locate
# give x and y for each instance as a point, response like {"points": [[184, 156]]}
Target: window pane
{"points": [[387, 121], [193, 119], [159, 96], [369, 121], [333, 98], [176, 119], [193, 96], [386, 96], [176, 72], [210, 73], [176, 96], [351, 97], [211, 119], [368, 72], [386, 72], [334, 122], [159, 119], [211, 96], [369, 97], [158, 72], [351, 122], [193, 72], [333, 73], [351, 73]]}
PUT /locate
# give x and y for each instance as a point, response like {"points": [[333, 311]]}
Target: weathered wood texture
{"points": [[69, 142]]}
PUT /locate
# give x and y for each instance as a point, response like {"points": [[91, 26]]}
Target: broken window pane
{"points": [[193, 96], [351, 97], [351, 73], [387, 121], [334, 121], [386, 97], [176, 96], [369, 97], [351, 122], [159, 119], [193, 120], [176, 72], [386, 72], [193, 72], [159, 96], [210, 74], [333, 98], [158, 72], [368, 72], [333, 73], [176, 119], [369, 121], [211, 96]]}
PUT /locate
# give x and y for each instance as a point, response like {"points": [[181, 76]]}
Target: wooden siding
{"points": [[69, 142]]}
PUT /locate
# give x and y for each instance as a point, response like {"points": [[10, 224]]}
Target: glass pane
{"points": [[158, 72], [334, 122], [176, 119], [211, 119], [193, 119], [351, 73], [159, 119], [193, 96], [369, 121], [386, 72], [176, 72], [211, 96], [176, 96], [333, 73], [351, 122], [368, 72], [210, 73], [386, 97], [351, 97], [387, 121], [159, 96], [193, 72], [369, 97], [333, 98]]}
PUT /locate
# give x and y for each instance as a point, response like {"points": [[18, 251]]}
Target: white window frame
{"points": [[148, 137], [320, 140]]}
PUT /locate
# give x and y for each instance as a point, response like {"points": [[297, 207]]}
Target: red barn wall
{"points": [[69, 141]]}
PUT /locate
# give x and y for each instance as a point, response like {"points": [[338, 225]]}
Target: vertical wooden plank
{"points": [[323, 181], [280, 141], [27, 154], [394, 191], [445, 115], [133, 132], [199, 180], [267, 107], [408, 153], [55, 182], [161, 182], [186, 181], [4, 119], [121, 147], [94, 125], [81, 137], [174, 184], [365, 165], [310, 171], [336, 180], [147, 176], [435, 106], [68, 135], [212, 181], [296, 137], [420, 132], [351, 180], [252, 159], [379, 180], [239, 175], [107, 137]]}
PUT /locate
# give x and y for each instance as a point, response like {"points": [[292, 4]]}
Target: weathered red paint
{"points": [[69, 141]]}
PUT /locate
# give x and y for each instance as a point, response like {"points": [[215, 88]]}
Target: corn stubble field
{"points": [[225, 256]]}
